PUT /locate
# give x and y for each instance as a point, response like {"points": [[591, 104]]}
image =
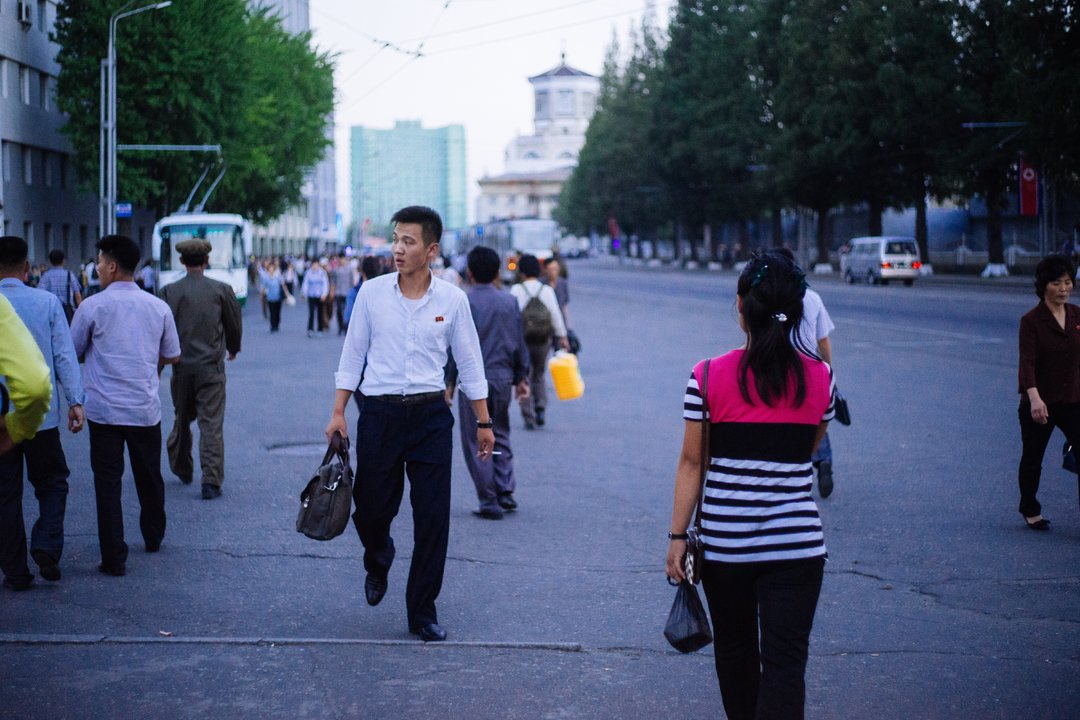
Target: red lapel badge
{"points": [[439, 318]]}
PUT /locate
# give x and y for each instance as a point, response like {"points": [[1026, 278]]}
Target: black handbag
{"points": [[687, 626], [840, 408], [326, 501]]}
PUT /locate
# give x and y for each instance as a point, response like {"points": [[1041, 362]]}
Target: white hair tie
{"points": [[780, 317]]}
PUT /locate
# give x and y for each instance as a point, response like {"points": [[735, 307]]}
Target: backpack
{"points": [[536, 320]]}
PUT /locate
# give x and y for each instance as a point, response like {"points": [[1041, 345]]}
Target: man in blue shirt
{"points": [[46, 466], [506, 367]]}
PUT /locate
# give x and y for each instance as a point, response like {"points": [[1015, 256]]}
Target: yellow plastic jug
{"points": [[566, 376]]}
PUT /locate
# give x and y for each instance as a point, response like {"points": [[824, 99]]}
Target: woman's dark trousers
{"points": [[763, 679], [1035, 437], [275, 314]]}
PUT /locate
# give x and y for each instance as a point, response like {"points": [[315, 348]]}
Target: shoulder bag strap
{"points": [[705, 452], [70, 300]]}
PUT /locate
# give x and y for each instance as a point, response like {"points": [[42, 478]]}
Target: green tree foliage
{"points": [[758, 105], [198, 72]]}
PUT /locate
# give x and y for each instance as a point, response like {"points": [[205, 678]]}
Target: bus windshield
{"points": [[226, 242]]}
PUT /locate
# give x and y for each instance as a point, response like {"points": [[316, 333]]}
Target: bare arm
{"points": [[824, 349], [687, 488]]}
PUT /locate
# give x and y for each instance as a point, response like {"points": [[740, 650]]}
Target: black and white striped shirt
{"points": [[757, 505]]}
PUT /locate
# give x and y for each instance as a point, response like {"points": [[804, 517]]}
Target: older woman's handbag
{"points": [[326, 500]]}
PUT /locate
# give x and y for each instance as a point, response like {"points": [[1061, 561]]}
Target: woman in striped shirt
{"points": [[768, 404]]}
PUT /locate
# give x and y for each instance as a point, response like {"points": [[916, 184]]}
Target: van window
{"points": [[896, 247]]}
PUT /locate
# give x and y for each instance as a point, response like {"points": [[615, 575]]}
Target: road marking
{"points": [[38, 639], [925, 331]]}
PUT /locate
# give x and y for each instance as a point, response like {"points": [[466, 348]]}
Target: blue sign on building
{"points": [[123, 210]]}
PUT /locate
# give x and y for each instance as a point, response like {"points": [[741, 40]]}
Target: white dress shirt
{"points": [[524, 291], [404, 342]]}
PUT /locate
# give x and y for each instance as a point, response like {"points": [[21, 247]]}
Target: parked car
{"points": [[879, 259]]}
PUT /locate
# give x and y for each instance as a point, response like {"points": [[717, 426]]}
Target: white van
{"points": [[880, 259]]}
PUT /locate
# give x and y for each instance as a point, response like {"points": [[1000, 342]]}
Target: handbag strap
{"points": [[338, 446], [705, 452]]}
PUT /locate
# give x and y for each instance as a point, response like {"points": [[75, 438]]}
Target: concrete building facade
{"points": [[407, 165], [538, 165], [39, 197]]}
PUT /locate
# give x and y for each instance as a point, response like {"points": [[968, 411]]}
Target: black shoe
{"points": [[430, 633], [186, 479], [824, 479], [48, 567], [374, 588], [153, 547], [19, 584], [488, 514], [118, 570], [540, 417], [1041, 524], [209, 492], [507, 502], [530, 424]]}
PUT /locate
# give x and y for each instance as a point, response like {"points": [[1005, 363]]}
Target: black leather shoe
{"points": [[153, 547], [824, 478], [507, 502], [48, 567], [488, 514], [118, 570], [19, 584], [540, 417], [374, 589], [209, 492], [430, 633]]}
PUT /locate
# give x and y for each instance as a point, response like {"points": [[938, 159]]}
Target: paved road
{"points": [[937, 602]]}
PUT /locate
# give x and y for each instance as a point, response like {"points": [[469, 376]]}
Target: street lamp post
{"points": [[110, 171]]}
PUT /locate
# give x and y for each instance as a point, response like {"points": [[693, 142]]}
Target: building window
{"points": [[43, 87], [3, 74], [24, 84], [542, 103], [5, 149], [48, 236], [565, 103], [28, 235], [46, 168], [41, 16], [28, 165], [63, 171]]}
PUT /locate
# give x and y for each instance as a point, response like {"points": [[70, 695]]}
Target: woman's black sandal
{"points": [[1040, 524]]}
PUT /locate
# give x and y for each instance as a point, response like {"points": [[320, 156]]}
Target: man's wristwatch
{"points": [[485, 425]]}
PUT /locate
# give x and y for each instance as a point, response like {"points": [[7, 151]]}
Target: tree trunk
{"points": [[676, 253], [777, 228], [823, 239], [921, 234], [994, 245], [874, 221], [744, 239]]}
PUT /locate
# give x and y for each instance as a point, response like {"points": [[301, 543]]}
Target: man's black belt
{"points": [[417, 399]]}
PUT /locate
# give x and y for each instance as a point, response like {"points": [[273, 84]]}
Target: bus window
{"points": [[238, 259], [166, 250]]}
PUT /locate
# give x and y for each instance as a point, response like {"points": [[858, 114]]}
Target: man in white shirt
{"points": [[534, 406], [395, 350]]}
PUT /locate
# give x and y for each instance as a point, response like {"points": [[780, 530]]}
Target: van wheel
{"points": [[849, 277], [884, 281], [909, 283], [870, 279]]}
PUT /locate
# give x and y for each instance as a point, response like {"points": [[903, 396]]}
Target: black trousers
{"points": [[393, 440], [107, 462], [762, 675], [339, 310], [275, 314], [1035, 438], [47, 471], [314, 314]]}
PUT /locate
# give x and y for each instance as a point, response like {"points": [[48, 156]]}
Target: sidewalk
{"points": [[1018, 282]]}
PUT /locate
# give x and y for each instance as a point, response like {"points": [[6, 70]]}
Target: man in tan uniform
{"points": [[209, 324]]}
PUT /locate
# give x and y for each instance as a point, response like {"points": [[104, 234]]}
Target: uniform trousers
{"points": [[1034, 438], [198, 394], [762, 675], [107, 462], [537, 399], [393, 440], [274, 307], [495, 476], [47, 471]]}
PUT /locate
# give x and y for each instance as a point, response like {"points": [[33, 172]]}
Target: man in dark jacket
{"points": [[209, 324], [506, 366]]}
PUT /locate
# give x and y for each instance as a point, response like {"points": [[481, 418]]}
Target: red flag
{"points": [[1029, 190]]}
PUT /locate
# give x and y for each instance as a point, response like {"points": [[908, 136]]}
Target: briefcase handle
{"points": [[339, 445]]}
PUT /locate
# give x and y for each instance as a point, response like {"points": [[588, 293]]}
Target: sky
{"points": [[459, 61]]}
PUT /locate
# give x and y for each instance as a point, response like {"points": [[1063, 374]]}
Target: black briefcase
{"points": [[326, 502]]}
